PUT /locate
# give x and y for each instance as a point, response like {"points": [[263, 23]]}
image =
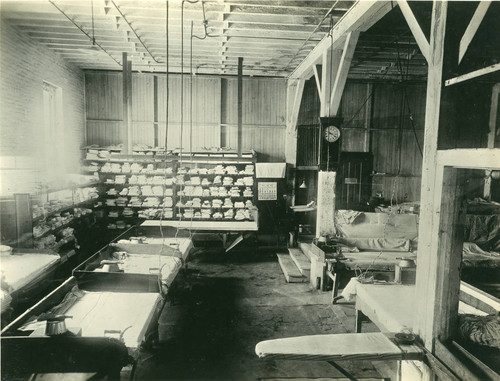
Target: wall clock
{"points": [[331, 134]]}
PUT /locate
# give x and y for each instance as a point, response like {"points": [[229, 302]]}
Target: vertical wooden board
{"points": [[142, 133], [142, 100], [206, 112], [385, 151], [103, 133], [386, 106], [416, 101], [353, 140], [412, 158], [451, 233], [326, 204], [230, 108], [352, 109], [104, 95], [431, 188], [173, 141]]}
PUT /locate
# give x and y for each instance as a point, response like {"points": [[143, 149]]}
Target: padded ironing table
{"points": [[26, 275], [113, 326]]}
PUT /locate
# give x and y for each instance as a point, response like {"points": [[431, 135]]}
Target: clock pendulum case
{"points": [[329, 143]]}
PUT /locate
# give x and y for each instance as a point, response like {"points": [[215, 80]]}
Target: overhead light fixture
{"points": [[303, 184]]}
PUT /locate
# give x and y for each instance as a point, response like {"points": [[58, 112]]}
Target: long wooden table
{"points": [[392, 306], [223, 228], [206, 225]]}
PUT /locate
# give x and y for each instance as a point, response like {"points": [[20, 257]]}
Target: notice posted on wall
{"points": [[268, 191]]}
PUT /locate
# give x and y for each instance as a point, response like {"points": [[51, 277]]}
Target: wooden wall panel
{"points": [[264, 115], [142, 133], [142, 100], [104, 96], [355, 108], [104, 133], [307, 126], [372, 123], [104, 110], [263, 112]]}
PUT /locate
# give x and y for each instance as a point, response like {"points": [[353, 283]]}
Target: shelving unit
{"points": [[133, 187], [153, 185], [214, 186], [47, 219]]}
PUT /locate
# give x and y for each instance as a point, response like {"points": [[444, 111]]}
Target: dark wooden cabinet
{"points": [[354, 180]]}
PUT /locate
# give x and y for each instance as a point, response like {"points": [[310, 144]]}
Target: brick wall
{"points": [[24, 65]]}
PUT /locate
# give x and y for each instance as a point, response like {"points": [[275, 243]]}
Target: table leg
{"points": [[359, 320], [342, 370]]}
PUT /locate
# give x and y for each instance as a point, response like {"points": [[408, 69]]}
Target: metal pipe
{"points": [[166, 74]]}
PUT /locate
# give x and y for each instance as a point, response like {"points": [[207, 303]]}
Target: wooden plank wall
{"points": [[214, 114], [394, 142], [264, 116], [372, 123]]}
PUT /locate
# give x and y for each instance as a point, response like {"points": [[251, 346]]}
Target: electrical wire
{"points": [[85, 33], [205, 25], [166, 155]]}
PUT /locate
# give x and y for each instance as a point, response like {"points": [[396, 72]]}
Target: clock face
{"points": [[331, 134]]}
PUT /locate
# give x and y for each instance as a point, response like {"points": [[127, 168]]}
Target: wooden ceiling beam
{"points": [[272, 19], [361, 16], [288, 4], [259, 10], [301, 29]]}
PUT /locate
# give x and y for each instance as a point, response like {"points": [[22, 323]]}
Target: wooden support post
{"points": [[155, 105], [240, 104], [127, 104], [491, 136], [449, 252], [325, 213], [294, 92], [426, 282], [331, 60]]}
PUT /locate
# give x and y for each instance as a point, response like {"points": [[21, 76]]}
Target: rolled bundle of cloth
{"points": [[483, 330], [377, 244]]}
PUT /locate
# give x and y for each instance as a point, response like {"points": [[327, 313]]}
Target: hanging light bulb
{"points": [[303, 184]]}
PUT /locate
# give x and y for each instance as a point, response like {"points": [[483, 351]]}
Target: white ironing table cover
{"points": [[18, 270]]}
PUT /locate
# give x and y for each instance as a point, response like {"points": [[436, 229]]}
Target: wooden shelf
{"points": [[175, 159], [60, 210]]}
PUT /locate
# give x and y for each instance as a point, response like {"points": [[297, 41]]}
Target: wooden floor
{"points": [[224, 304]]}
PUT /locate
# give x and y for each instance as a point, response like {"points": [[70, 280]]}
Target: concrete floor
{"points": [[224, 304]]}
